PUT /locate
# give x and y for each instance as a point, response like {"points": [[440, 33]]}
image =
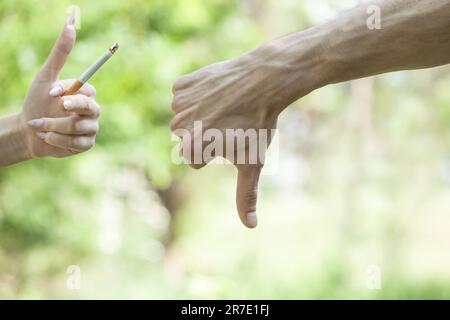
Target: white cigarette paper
{"points": [[93, 68], [90, 71]]}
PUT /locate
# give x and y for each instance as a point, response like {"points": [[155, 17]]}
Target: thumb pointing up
{"points": [[247, 193], [60, 52]]}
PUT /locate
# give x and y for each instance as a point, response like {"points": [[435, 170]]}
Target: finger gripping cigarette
{"points": [[91, 70]]}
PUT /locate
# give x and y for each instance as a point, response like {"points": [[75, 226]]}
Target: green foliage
{"points": [[140, 226]]}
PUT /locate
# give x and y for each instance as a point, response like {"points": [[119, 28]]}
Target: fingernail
{"points": [[41, 135], [67, 104], [56, 91], [79, 142], [252, 220], [71, 20], [36, 123], [82, 142]]}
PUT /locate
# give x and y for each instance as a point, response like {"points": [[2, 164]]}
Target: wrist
{"points": [[13, 142], [25, 135], [298, 63], [20, 136]]}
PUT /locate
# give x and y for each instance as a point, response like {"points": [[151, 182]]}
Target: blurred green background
{"points": [[361, 187]]}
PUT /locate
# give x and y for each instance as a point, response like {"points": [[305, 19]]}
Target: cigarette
{"points": [[91, 71]]}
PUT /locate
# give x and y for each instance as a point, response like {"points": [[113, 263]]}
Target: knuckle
{"points": [[86, 105], [66, 42], [181, 120], [177, 84], [176, 103], [172, 125], [182, 82], [175, 124], [50, 137], [72, 143], [251, 196], [73, 124], [179, 103], [61, 105], [251, 199], [47, 125]]}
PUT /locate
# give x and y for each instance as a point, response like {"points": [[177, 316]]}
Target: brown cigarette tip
{"points": [[73, 88], [114, 48]]}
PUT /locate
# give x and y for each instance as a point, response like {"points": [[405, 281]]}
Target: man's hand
{"points": [[236, 94], [249, 92]]}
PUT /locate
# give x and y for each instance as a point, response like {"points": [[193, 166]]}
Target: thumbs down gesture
{"points": [[230, 110]]}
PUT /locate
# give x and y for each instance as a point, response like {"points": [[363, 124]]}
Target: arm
{"points": [[50, 124], [250, 91], [413, 35]]}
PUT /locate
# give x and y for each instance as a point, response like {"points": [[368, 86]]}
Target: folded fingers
{"points": [[73, 125], [73, 143]]}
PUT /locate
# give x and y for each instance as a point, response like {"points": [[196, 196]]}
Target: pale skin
{"points": [[251, 90], [50, 124]]}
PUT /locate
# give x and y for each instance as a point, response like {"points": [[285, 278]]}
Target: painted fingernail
{"points": [[71, 20], [41, 135], [86, 126], [82, 142], [78, 142], [36, 123], [56, 91], [252, 220], [67, 104]]}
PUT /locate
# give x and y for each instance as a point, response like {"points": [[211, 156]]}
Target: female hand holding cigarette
{"points": [[55, 121], [59, 125]]}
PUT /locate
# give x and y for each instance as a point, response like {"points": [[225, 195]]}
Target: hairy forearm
{"points": [[13, 148], [250, 91], [413, 35]]}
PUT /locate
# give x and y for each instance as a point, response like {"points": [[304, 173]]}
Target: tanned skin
{"points": [[250, 91]]}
